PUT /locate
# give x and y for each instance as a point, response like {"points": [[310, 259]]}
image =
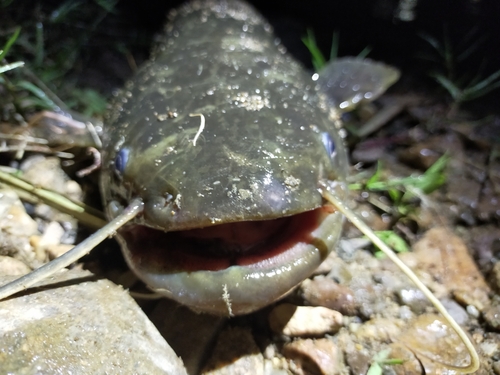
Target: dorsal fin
{"points": [[349, 81]]}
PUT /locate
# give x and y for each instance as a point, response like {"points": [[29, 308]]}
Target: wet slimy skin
{"points": [[226, 139]]}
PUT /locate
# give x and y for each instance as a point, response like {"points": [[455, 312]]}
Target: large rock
{"points": [[76, 324]]}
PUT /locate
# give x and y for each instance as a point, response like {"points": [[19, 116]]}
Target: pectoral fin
{"points": [[350, 81]]}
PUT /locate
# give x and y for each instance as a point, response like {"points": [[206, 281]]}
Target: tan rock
{"points": [[309, 356], [380, 329], [13, 217], [12, 267], [323, 291], [16, 227], [295, 321]]}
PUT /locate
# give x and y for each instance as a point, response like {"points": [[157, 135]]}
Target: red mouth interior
{"points": [[218, 247]]}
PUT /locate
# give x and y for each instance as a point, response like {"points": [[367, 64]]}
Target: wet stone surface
{"points": [[78, 324]]}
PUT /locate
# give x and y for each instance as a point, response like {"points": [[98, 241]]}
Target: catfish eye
{"points": [[121, 161], [328, 143]]}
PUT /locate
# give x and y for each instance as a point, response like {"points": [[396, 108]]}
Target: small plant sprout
{"points": [[380, 359], [402, 190], [393, 240], [318, 59], [5, 50]]}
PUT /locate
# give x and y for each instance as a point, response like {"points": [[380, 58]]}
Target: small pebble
{"points": [[14, 220], [457, 312], [473, 311], [496, 367], [49, 244], [323, 291], [379, 329], [12, 267], [494, 277], [490, 347], [492, 317], [358, 362], [297, 321], [414, 299], [309, 356]]}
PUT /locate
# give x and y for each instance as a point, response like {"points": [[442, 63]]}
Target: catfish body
{"points": [[226, 139]]}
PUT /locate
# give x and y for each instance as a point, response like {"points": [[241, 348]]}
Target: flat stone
{"points": [[76, 324], [435, 344], [440, 251]]}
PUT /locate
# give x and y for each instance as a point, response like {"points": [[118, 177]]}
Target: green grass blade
{"points": [[482, 88], [334, 51], [318, 60], [452, 89], [364, 52], [9, 43], [39, 45]]}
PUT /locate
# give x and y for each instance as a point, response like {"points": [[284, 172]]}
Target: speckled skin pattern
{"points": [[221, 126]]}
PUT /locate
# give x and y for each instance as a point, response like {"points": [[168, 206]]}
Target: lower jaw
{"points": [[249, 284]]}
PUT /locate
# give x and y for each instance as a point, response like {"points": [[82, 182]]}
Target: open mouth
{"points": [[232, 268]]}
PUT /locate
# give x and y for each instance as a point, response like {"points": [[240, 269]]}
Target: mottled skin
{"points": [[261, 155]]}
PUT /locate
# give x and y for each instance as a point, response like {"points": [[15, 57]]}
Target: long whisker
{"points": [[361, 225], [74, 254]]}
